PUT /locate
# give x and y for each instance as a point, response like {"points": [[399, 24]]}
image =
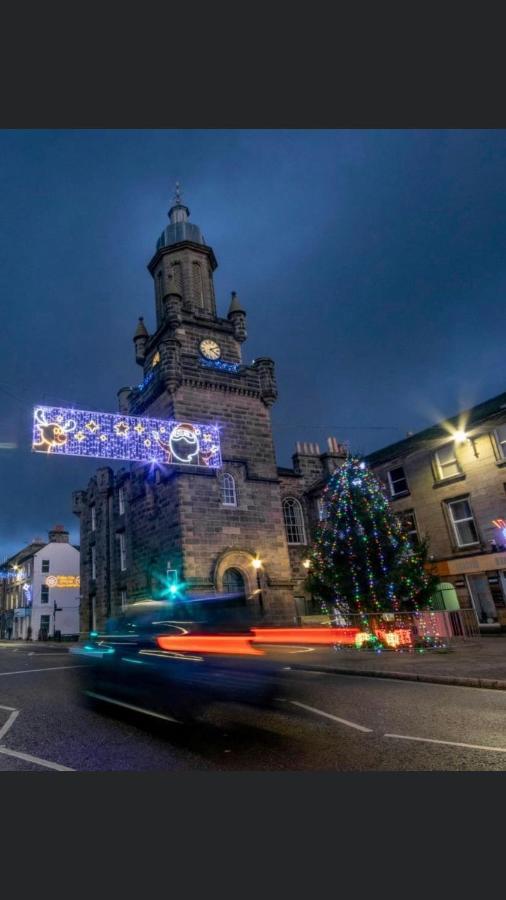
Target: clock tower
{"points": [[210, 526]]}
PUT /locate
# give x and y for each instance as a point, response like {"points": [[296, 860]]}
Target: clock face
{"points": [[210, 349]]}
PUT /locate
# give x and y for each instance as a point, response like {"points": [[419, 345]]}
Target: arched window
{"points": [[198, 284], [233, 582], [294, 521], [177, 279], [228, 492]]}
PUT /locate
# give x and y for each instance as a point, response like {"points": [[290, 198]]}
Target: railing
{"points": [[409, 629]]}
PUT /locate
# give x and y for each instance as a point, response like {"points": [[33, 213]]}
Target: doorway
{"points": [[482, 599], [233, 583]]}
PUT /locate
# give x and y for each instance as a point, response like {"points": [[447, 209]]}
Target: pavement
{"points": [[479, 663], [322, 721]]}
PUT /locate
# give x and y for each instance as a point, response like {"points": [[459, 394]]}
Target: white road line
{"points": [[147, 712], [35, 759], [320, 712], [8, 708], [46, 669], [405, 737], [9, 723]]}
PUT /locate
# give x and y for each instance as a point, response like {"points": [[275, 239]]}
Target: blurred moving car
{"points": [[172, 659]]}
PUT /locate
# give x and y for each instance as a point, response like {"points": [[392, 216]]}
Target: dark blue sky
{"points": [[371, 265]]}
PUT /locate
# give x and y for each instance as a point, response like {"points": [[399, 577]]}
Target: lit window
{"points": [[45, 565], [462, 519], [44, 594], [294, 521], [408, 522], [322, 508], [397, 481], [93, 563], [228, 492], [121, 500], [500, 436], [123, 599], [446, 461], [93, 518], [122, 551]]}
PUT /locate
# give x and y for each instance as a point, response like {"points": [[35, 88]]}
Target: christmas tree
{"points": [[362, 561]]}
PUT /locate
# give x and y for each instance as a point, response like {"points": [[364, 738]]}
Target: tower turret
{"points": [[237, 316], [140, 340], [183, 265]]}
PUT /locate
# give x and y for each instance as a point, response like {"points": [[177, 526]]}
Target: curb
{"points": [[488, 683]]}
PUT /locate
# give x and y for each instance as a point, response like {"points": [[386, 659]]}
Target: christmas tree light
{"points": [[362, 563]]}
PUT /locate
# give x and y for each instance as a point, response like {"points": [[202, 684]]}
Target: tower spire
{"points": [[178, 211]]}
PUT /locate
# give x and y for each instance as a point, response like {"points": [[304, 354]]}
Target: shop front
{"points": [[480, 583]]}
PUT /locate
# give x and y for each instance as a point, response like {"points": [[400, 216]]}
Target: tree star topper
{"points": [[77, 432]]}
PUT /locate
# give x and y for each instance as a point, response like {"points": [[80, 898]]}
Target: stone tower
{"points": [[209, 525]]}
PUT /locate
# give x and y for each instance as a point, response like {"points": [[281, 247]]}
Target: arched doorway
{"points": [[233, 583]]}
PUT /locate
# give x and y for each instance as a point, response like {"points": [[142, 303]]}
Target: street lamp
{"points": [[306, 563], [257, 565]]}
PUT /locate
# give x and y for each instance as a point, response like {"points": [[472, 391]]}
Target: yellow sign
{"points": [[63, 581]]}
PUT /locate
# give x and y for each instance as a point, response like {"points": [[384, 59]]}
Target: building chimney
{"points": [[58, 535]]}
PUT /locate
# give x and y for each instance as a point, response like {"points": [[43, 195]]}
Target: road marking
{"points": [[9, 723], [46, 669], [35, 759], [320, 712], [405, 737], [147, 712]]}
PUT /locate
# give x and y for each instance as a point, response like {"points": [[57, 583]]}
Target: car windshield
{"points": [[225, 611]]}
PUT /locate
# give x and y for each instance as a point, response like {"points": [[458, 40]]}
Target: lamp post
{"points": [[307, 565], [257, 565]]}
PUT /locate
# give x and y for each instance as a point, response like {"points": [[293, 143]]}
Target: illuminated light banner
{"points": [[77, 432], [63, 581]]}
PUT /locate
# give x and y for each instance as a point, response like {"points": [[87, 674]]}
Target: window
{"points": [[93, 518], [93, 563], [408, 522], [122, 551], [44, 594], [124, 600], [198, 285], [45, 565], [322, 509], [121, 500], [397, 481], [500, 436], [294, 521], [228, 492], [462, 519], [446, 462]]}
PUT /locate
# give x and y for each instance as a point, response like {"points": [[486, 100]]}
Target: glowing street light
{"points": [[460, 437], [306, 563]]}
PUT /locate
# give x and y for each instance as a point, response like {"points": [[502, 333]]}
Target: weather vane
{"points": [[178, 192]]}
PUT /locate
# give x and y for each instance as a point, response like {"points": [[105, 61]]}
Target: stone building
{"points": [[243, 527], [448, 483]]}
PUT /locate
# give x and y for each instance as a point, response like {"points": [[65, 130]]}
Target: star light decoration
{"points": [[77, 432]]}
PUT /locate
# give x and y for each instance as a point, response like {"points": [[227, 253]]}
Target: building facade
{"points": [[448, 484], [242, 527], [40, 589]]}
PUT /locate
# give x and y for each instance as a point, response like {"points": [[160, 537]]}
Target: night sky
{"points": [[372, 266]]}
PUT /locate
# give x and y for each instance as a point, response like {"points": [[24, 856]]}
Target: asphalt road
{"points": [[329, 722]]}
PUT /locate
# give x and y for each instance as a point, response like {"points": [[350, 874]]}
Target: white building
{"points": [[39, 590]]}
